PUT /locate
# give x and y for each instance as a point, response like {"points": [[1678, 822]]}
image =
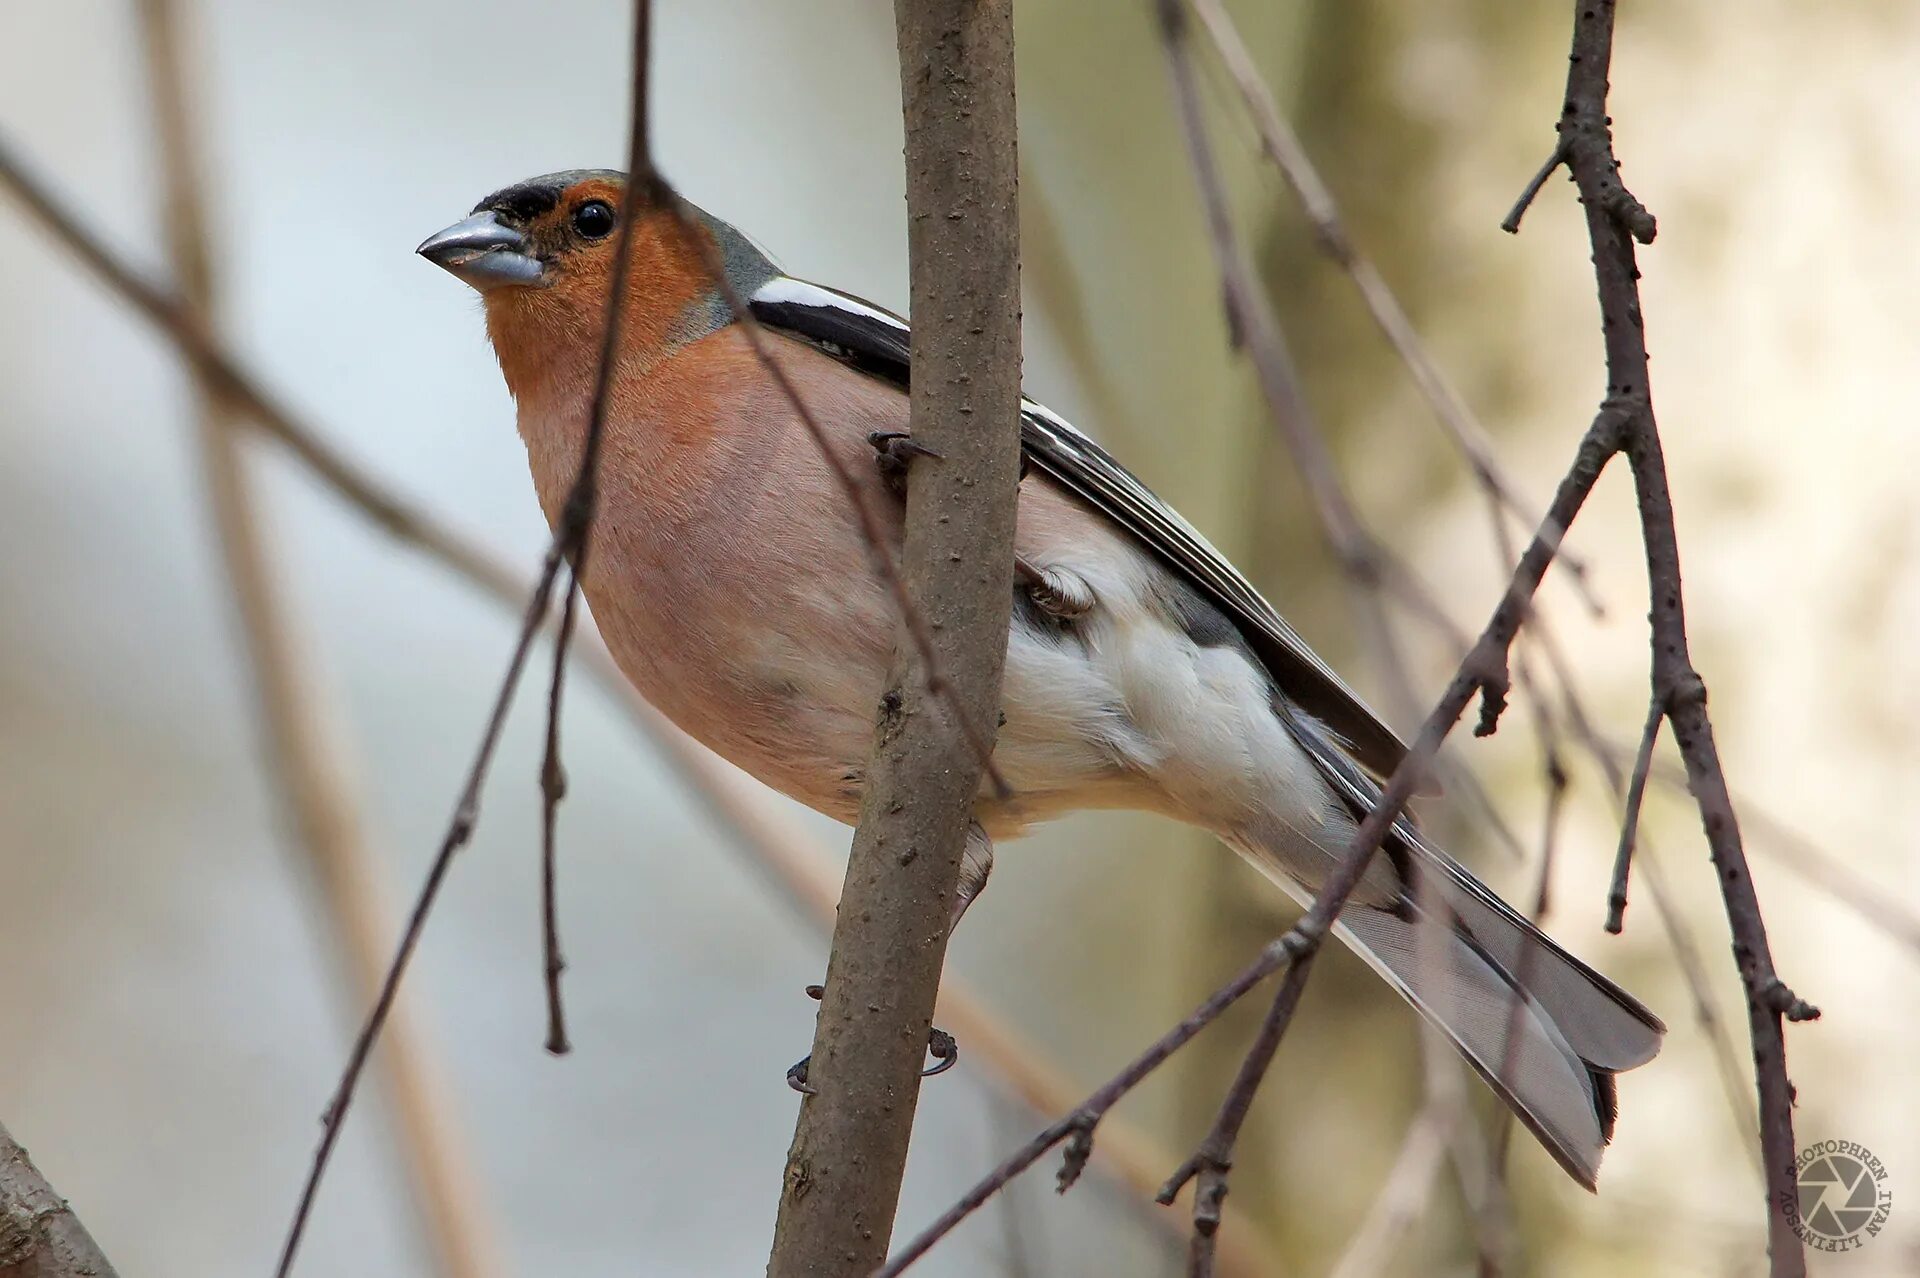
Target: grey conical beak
{"points": [[485, 252]]}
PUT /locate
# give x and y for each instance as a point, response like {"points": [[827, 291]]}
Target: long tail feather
{"points": [[1546, 1031]]}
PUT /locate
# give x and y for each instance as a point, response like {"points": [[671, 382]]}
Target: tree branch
{"points": [[1615, 220], [843, 1172], [40, 1237], [1630, 819]]}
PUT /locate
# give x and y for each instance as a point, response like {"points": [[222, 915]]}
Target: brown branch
{"points": [[1686, 951], [1615, 219], [1630, 819], [308, 761], [1624, 424], [849, 1150], [571, 536], [553, 788], [1511, 222], [1369, 569], [40, 1237]]}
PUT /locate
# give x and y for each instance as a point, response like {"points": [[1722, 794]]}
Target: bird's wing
{"points": [[876, 342]]}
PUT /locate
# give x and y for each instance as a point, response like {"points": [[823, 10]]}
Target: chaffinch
{"points": [[730, 579]]}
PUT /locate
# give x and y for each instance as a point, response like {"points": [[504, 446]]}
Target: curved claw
{"points": [[944, 1049], [895, 449], [797, 1077]]}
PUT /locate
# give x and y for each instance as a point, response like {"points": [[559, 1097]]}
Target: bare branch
{"points": [[1511, 222], [569, 537], [1630, 821], [1614, 221], [40, 1237], [553, 788], [189, 333], [849, 1151]]}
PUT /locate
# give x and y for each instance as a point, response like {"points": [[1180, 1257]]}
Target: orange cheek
{"points": [[555, 331]]}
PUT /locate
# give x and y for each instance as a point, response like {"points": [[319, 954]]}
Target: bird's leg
{"points": [[976, 863], [896, 448], [1058, 592]]}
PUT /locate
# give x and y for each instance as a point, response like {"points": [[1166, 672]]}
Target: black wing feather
{"points": [[878, 343]]}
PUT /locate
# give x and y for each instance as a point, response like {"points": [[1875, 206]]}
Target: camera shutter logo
{"points": [[1844, 1195]]}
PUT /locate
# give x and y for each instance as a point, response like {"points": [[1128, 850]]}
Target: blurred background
{"points": [[175, 1005]]}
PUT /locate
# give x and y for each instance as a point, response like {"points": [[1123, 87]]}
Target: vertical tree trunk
{"points": [[843, 1173]]}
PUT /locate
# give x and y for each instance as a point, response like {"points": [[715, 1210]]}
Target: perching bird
{"points": [[729, 577]]}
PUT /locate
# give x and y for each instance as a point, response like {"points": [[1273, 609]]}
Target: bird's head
{"points": [[541, 255]]}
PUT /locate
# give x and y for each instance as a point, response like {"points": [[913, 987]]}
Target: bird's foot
{"points": [[941, 1045], [895, 450]]}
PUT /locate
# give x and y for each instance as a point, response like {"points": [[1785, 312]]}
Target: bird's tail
{"points": [[1546, 1031]]}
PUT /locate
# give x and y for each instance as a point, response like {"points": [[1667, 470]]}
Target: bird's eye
{"points": [[594, 219]]}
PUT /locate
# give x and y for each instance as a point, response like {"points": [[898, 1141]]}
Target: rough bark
{"points": [[40, 1237], [843, 1173]]}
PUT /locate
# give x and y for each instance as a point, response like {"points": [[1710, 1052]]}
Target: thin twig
{"points": [[182, 325], [1511, 222], [459, 830], [553, 788], [1615, 220], [1076, 1129], [1630, 821], [1686, 952], [570, 535], [309, 763], [1368, 567]]}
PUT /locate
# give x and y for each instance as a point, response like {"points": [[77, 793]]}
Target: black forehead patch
{"points": [[527, 200]]}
